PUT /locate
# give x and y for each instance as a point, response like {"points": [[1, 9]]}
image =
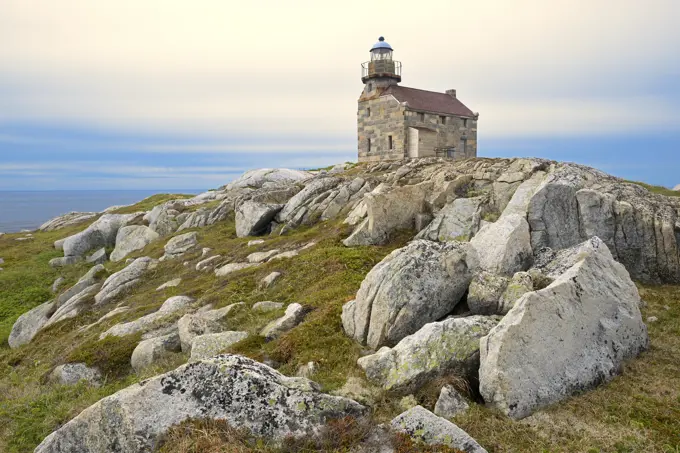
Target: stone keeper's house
{"points": [[396, 122]]}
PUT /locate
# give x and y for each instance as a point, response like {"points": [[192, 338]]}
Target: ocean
{"points": [[28, 210]]}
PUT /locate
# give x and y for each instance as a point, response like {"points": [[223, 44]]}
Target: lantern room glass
{"points": [[381, 54]]}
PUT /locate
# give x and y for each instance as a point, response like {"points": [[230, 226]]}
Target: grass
{"points": [[638, 411], [148, 203], [657, 189]]}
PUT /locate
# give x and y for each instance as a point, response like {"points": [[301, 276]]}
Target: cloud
{"points": [[212, 68]]}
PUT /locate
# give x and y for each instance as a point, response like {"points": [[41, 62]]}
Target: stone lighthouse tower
{"points": [[396, 122], [382, 71]]}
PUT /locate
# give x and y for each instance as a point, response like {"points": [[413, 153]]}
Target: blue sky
{"points": [[166, 94]]}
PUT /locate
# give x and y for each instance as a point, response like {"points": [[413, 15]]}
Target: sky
{"points": [[170, 94]]}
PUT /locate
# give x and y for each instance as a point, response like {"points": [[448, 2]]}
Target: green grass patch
{"points": [[657, 189], [150, 202]]}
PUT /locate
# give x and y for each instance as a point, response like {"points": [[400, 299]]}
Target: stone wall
{"points": [[386, 119], [450, 131]]}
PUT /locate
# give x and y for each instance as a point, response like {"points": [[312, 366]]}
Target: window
{"points": [[369, 145], [370, 87], [389, 141], [421, 117], [464, 146], [442, 119], [464, 122], [368, 111]]}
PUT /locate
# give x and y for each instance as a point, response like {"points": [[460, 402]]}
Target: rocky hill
{"points": [[426, 305]]}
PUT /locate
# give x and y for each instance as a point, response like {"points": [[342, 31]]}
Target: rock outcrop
{"points": [[563, 339], [253, 218], [179, 245], [424, 426], [439, 348], [73, 373], [170, 306], [102, 233], [150, 351], [412, 286], [244, 393], [72, 218], [211, 344], [132, 238], [124, 280]]}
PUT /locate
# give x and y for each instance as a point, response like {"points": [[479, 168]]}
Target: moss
{"points": [[111, 355]]}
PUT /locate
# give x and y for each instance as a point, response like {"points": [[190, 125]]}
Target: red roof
{"points": [[430, 101]]}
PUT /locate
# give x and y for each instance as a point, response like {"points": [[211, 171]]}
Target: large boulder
{"points": [[253, 218], [504, 247], [170, 306], [179, 245], [124, 280], [568, 337], [244, 393], [74, 373], [412, 286], [293, 316], [211, 344], [29, 324], [450, 403], [388, 212], [457, 221], [424, 426], [438, 349], [485, 293], [102, 233], [296, 208], [150, 351], [132, 238], [193, 325]]}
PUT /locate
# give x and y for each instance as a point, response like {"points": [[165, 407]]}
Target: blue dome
{"points": [[381, 44]]}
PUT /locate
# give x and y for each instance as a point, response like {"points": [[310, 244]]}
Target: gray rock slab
{"points": [[566, 338], [209, 345], [412, 286], [426, 427]]}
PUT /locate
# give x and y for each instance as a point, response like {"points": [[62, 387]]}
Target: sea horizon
{"points": [[28, 209]]}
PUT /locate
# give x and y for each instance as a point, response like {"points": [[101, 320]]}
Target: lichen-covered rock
{"points": [[439, 348], [244, 393], [191, 326], [568, 337], [29, 324], [298, 206], [412, 286], [73, 373], [504, 247], [458, 221], [102, 233], [211, 344], [170, 306], [424, 426], [485, 293], [132, 238], [253, 218], [150, 351], [450, 403], [124, 280], [520, 284], [179, 245], [294, 315]]}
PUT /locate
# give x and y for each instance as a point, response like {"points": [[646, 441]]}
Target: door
{"points": [[412, 142]]}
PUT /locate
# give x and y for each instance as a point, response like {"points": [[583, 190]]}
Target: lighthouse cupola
{"points": [[381, 70]]}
